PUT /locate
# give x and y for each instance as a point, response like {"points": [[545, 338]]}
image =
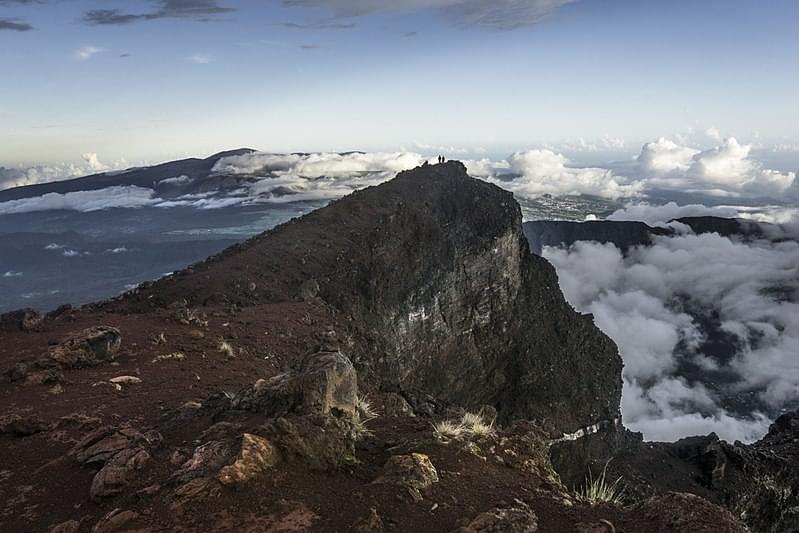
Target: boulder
{"points": [[518, 519], [91, 347], [319, 442], [414, 472], [206, 461], [257, 455], [116, 520], [395, 405], [326, 383], [21, 320], [118, 472]]}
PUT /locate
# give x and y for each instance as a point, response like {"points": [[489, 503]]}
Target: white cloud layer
{"points": [[724, 170], [86, 201], [20, 176], [638, 301], [538, 172]]}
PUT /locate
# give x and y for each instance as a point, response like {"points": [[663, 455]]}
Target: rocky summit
{"points": [[395, 361]]}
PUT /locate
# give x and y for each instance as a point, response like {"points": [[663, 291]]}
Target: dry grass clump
{"points": [[470, 425], [447, 429], [364, 413], [226, 348], [600, 490]]}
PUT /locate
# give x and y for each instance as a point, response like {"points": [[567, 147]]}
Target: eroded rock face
{"points": [[440, 295], [119, 453], [90, 347]]}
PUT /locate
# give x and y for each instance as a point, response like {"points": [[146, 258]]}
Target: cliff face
{"points": [[440, 298]]}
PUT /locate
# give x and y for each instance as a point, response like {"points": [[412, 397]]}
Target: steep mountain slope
{"points": [[432, 274], [230, 396]]}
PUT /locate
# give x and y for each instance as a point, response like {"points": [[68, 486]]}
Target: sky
{"points": [[132, 81]]}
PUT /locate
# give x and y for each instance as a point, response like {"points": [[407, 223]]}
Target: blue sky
{"points": [[191, 77]]}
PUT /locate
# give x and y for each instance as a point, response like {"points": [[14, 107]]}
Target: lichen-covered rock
{"points": [[91, 347], [319, 442], [518, 519], [256, 455], [414, 472], [326, 383]]}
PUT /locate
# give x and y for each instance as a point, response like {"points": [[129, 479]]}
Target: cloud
{"points": [[543, 171], [21, 176], [85, 201], [662, 303], [201, 10], [14, 25], [12, 274], [660, 215], [87, 52], [496, 14], [320, 176], [199, 59], [724, 170]]}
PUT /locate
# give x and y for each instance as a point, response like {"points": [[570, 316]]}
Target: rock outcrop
{"points": [[432, 277]]}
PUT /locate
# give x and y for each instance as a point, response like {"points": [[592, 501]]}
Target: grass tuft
{"points": [[475, 424], [226, 348], [364, 413], [600, 490], [447, 429]]}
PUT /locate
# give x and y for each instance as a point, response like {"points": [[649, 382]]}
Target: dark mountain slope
{"points": [[432, 274], [140, 177]]}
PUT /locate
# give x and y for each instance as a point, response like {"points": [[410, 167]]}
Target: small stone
{"points": [[125, 380]]}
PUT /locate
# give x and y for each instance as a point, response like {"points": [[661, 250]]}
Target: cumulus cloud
{"points": [[20, 176], [724, 170], [86, 201], [497, 14], [199, 59], [540, 172], [86, 52], [662, 303]]}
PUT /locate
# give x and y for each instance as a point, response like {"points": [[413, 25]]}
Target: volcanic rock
{"points": [[91, 347]]}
